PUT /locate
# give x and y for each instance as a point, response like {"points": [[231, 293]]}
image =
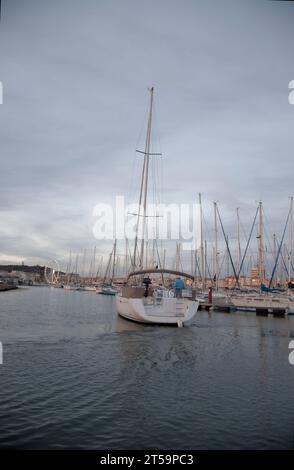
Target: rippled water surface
{"points": [[77, 376]]}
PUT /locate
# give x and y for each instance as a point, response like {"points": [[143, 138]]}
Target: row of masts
{"points": [[139, 257], [259, 237], [138, 253], [206, 263]]}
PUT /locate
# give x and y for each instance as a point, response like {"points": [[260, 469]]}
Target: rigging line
{"points": [[268, 240], [208, 270], [197, 267], [279, 250], [252, 252], [247, 245], [220, 267], [288, 255], [283, 259], [136, 160], [243, 230], [159, 262], [227, 244], [208, 230], [99, 266], [155, 161]]}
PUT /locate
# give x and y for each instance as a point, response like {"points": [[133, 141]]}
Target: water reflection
{"points": [[77, 375]]}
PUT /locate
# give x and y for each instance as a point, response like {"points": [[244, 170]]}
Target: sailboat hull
{"points": [[164, 311]]}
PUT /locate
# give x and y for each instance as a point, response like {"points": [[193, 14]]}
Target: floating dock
{"points": [[276, 312]]}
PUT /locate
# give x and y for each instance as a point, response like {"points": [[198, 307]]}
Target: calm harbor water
{"points": [[74, 375]]}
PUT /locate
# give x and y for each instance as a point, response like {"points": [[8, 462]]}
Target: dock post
{"points": [[210, 295]]}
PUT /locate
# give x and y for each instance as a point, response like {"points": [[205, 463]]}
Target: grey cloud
{"points": [[75, 77]]}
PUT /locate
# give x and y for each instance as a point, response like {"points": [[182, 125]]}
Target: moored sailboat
{"points": [[138, 301]]}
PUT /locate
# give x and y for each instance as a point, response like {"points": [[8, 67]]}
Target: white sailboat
{"points": [[89, 288], [159, 305], [138, 301]]}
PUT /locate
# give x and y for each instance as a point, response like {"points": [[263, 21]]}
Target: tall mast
{"points": [[76, 265], [260, 245], [99, 267], [228, 260], [290, 240], [238, 240], [143, 188], [146, 171], [285, 257], [275, 256], [94, 263], [146, 254], [68, 268], [113, 261], [216, 267], [205, 262], [126, 257], [83, 262], [201, 244], [154, 261]]}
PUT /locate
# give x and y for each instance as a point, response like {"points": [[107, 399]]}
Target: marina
{"points": [[78, 375], [146, 233]]}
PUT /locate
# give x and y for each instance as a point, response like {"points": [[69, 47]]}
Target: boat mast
{"points": [[126, 256], [275, 256], [216, 267], [143, 187], [146, 253], [146, 171], [164, 254], [83, 262], [260, 245], [290, 240], [76, 267], [205, 260], [93, 262], [238, 240], [68, 268], [192, 260], [113, 261], [99, 267], [201, 244], [228, 260]]}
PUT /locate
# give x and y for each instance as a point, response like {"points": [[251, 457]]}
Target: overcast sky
{"points": [[75, 77]]}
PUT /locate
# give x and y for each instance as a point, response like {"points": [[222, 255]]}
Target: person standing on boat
{"points": [[179, 286]]}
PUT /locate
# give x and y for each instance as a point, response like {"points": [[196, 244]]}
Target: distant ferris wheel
{"points": [[52, 272]]}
